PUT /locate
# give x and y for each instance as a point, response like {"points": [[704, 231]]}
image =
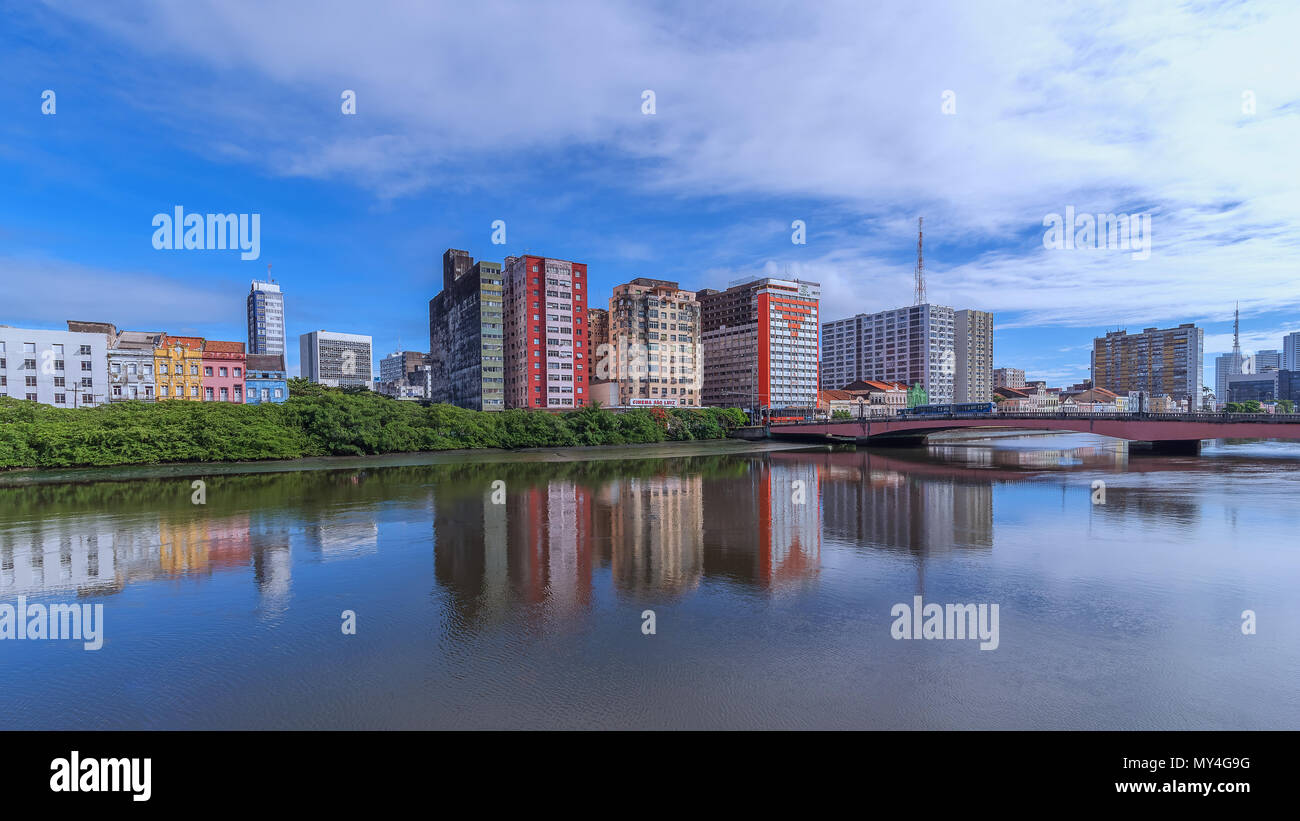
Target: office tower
{"points": [[1225, 365], [467, 334], [760, 342], [915, 345], [336, 359], [265, 318], [545, 318], [63, 368], [654, 347], [1291, 352], [1269, 360], [1008, 378], [973, 341], [1161, 362]]}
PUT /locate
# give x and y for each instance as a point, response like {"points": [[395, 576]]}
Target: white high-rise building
{"points": [[265, 318], [913, 345], [336, 359]]}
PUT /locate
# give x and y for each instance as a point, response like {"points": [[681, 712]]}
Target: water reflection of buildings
{"points": [[543, 546], [879, 501]]}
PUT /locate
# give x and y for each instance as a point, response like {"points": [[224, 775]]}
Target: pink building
{"points": [[223, 371]]}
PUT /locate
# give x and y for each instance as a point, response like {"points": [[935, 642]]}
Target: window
{"points": [[29, 364], [59, 381], [207, 394], [117, 390], [87, 399], [115, 368], [131, 369], [225, 394], [31, 381], [239, 394], [162, 368], [60, 399], [239, 372], [266, 392], [207, 372], [162, 390], [194, 391], [85, 366], [58, 364], [85, 350], [87, 382], [194, 370], [279, 393]]}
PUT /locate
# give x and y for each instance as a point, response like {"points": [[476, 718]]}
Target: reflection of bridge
{"points": [[1167, 432]]}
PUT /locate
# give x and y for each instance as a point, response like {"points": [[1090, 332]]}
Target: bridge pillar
{"points": [[1177, 447]]}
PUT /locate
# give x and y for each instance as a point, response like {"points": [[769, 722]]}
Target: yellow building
{"points": [[179, 368]]}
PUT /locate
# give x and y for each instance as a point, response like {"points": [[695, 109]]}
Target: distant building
{"points": [[880, 398], [61, 368], [131, 364], [653, 352], [405, 375], [1157, 361], [760, 342], [265, 318], [265, 379], [1009, 377], [467, 356], [1269, 360], [1291, 352], [223, 371], [545, 318], [338, 360], [914, 345], [973, 344]]}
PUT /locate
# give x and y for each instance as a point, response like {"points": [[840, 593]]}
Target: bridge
{"points": [[1167, 432]]}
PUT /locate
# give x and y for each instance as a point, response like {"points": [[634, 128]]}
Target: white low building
{"points": [[60, 368]]}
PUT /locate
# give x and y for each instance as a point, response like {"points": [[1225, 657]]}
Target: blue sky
{"points": [[765, 113]]}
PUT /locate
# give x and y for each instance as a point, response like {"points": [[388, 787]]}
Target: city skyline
{"points": [[345, 215]]}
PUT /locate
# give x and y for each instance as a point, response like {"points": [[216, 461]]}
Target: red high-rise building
{"points": [[544, 310]]}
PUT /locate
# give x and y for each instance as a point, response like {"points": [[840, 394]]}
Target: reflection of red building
{"points": [[550, 544], [764, 528]]}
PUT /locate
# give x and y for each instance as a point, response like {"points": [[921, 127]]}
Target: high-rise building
{"points": [[653, 352], [973, 341], [1225, 365], [265, 318], [467, 334], [1291, 352], [1008, 378], [1161, 362], [597, 335], [915, 345], [760, 342], [1269, 360], [336, 359], [545, 318], [62, 368]]}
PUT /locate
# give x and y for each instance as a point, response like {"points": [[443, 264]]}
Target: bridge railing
{"points": [[1288, 418]]}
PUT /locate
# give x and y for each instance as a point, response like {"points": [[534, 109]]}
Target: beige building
{"points": [[973, 349], [652, 350]]}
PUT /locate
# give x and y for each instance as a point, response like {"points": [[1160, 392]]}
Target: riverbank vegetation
{"points": [[319, 421]]}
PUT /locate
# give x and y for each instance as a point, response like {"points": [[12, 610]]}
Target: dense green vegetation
{"points": [[318, 421]]}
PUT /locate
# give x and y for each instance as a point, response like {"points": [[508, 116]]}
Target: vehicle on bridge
{"points": [[957, 408]]}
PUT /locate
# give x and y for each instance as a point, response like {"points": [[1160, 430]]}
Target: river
{"points": [[517, 591]]}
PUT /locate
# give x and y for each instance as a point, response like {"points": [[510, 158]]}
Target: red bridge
{"points": [[1167, 432]]}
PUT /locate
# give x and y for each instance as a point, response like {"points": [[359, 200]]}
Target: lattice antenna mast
{"points": [[1236, 329], [918, 296]]}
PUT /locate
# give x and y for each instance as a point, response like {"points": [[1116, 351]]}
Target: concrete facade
{"points": [[336, 359], [60, 368]]}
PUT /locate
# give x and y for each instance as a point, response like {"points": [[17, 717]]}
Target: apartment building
{"points": [[336, 359], [61, 368], [915, 345], [653, 352], [760, 342], [1008, 378], [467, 334], [597, 335], [973, 346], [1291, 352], [545, 318], [1157, 361]]}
